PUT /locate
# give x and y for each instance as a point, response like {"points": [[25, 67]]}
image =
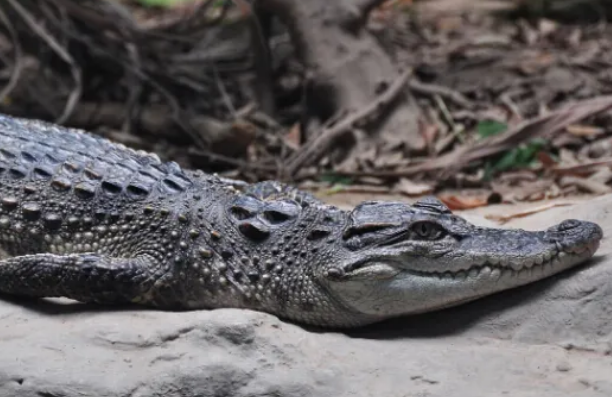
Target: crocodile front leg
{"points": [[82, 277]]}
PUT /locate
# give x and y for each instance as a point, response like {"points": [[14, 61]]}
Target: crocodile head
{"points": [[397, 259]]}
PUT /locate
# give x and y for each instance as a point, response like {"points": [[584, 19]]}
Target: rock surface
{"points": [[552, 338]]}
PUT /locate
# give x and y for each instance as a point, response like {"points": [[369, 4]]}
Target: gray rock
{"points": [[552, 338]]}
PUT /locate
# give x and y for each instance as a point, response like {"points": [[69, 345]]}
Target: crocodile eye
{"points": [[428, 230]]}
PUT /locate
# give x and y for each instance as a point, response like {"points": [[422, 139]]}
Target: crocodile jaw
{"points": [[391, 288]]}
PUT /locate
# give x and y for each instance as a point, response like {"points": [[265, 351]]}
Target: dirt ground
{"points": [[506, 106]]}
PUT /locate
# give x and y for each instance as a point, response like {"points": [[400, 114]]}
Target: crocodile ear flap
{"points": [[432, 204], [254, 229]]}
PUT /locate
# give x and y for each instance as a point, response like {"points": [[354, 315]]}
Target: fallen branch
{"points": [[313, 150]]}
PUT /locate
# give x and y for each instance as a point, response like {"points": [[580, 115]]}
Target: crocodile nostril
{"points": [[568, 225]]}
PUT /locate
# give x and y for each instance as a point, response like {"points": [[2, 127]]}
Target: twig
{"points": [[455, 129], [506, 99], [178, 114], [447, 93], [74, 96], [311, 151], [18, 64], [391, 174], [240, 164], [221, 87], [135, 87], [521, 214]]}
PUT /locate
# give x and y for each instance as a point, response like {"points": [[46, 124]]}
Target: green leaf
{"points": [[526, 154], [521, 157], [487, 128], [336, 179], [337, 188], [507, 161]]}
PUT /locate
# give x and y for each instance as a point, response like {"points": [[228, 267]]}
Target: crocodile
{"points": [[87, 219]]}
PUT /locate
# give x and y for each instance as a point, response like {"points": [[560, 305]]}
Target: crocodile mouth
{"points": [[531, 268]]}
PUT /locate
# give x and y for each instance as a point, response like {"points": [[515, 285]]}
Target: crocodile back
{"points": [[88, 165], [56, 181]]}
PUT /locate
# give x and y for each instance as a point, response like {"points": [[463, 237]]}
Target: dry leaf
{"points": [[389, 160], [449, 23], [409, 188], [602, 175], [521, 214], [536, 64], [586, 185], [430, 132], [514, 178], [546, 159], [598, 148], [522, 190], [294, 136], [584, 130], [566, 139], [567, 157], [371, 180], [463, 203], [546, 27]]}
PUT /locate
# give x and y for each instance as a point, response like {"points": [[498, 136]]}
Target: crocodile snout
{"points": [[576, 236]]}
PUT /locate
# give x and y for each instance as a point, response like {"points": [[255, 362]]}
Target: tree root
{"points": [[346, 70]]}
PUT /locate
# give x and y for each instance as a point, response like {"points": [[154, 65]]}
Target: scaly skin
{"points": [[83, 218]]}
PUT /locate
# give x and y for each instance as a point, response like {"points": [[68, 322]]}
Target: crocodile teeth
{"points": [[523, 273], [494, 260], [480, 260], [497, 268], [517, 264]]}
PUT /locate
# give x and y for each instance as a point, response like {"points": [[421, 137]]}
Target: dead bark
{"points": [[346, 66]]}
